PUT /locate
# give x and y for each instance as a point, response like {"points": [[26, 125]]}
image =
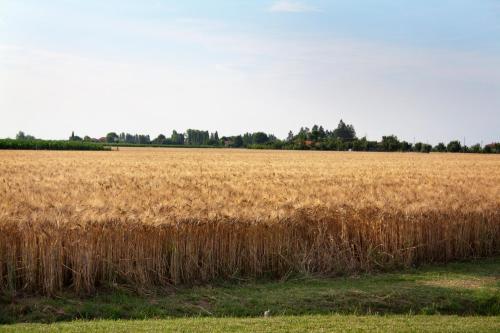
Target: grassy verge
{"points": [[317, 323], [466, 289]]}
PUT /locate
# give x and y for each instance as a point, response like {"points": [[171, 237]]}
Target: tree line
{"points": [[341, 138]]}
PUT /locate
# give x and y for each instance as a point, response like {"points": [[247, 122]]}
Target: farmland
{"points": [[148, 217]]}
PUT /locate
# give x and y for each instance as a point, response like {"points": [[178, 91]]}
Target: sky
{"points": [[424, 70]]}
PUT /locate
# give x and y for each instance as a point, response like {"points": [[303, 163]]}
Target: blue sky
{"points": [[428, 70]]}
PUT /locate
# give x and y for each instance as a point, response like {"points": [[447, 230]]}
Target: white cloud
{"points": [[291, 7]]}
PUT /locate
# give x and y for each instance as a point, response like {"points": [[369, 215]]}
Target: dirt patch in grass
{"points": [[469, 283]]}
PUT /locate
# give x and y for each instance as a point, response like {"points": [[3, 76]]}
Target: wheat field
{"points": [[154, 217]]}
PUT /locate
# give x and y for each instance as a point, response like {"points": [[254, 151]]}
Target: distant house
{"points": [[308, 142]]}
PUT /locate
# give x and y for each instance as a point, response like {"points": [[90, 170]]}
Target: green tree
{"points": [[405, 146], [177, 138], [302, 135], [74, 137], [426, 148], [321, 133], [454, 146], [247, 139], [440, 147], [390, 143], [418, 147], [344, 132], [476, 148], [238, 141], [260, 138], [314, 133], [197, 137], [20, 136], [160, 139], [111, 137], [143, 139]]}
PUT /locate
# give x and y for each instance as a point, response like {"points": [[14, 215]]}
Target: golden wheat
{"points": [[148, 217]]}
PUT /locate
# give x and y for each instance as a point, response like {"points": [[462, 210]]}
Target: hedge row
{"points": [[120, 144], [50, 145]]}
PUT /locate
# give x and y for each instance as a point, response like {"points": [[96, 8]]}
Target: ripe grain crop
{"points": [[149, 217]]}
